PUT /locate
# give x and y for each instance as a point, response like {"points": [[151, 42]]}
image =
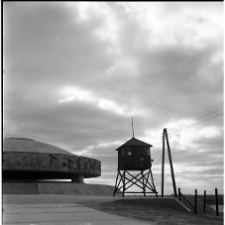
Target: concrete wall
{"points": [[57, 188], [22, 161], [19, 188]]}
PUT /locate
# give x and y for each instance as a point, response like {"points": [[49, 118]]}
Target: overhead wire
{"points": [[197, 123], [201, 117], [200, 142], [176, 131], [218, 139], [173, 133], [210, 113]]}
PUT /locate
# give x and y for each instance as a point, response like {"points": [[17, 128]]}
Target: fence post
{"points": [[204, 201], [196, 193], [217, 207], [179, 194]]}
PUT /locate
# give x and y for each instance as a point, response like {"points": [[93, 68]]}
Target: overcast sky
{"points": [[76, 72]]}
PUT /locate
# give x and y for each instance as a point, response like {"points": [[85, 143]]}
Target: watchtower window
{"points": [[146, 151], [129, 151]]}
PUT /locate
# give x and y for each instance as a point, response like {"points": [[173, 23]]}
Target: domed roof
{"points": [[31, 146], [28, 159]]}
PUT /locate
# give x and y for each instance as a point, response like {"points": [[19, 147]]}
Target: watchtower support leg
{"points": [[124, 182], [115, 189], [143, 182], [150, 171]]}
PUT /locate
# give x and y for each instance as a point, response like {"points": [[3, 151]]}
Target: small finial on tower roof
{"points": [[133, 126]]}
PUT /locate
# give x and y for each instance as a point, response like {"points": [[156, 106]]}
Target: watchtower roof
{"points": [[135, 142]]}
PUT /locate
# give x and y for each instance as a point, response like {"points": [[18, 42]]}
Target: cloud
{"points": [[76, 94]]}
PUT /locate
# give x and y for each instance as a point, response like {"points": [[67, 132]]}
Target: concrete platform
{"points": [[18, 210], [58, 214]]}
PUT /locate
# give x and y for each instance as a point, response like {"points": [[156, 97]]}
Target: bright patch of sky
{"points": [[76, 94]]}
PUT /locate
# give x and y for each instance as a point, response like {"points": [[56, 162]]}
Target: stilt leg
{"points": [[115, 189]]}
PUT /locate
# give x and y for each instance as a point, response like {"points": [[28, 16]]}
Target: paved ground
{"points": [[92, 210], [55, 214]]}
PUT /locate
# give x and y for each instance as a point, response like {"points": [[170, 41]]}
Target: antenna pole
{"points": [[133, 126]]}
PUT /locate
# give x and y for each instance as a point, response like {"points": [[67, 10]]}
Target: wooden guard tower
{"points": [[134, 155]]}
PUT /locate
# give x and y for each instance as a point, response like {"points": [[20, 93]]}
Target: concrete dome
{"points": [[28, 160], [31, 146]]}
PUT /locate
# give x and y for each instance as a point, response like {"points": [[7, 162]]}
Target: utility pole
{"points": [[165, 137], [163, 162]]}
